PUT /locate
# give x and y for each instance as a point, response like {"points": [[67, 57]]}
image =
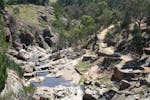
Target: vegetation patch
{"points": [[82, 79], [5, 61], [29, 89], [3, 49], [12, 65], [107, 81], [7, 96], [83, 66]]}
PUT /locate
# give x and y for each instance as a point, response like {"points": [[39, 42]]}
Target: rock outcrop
{"points": [[14, 88], [59, 93]]}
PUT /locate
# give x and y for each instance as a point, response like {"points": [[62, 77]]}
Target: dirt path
{"points": [[103, 46], [102, 34], [110, 49]]}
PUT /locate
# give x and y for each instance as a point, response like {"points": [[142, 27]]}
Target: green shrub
{"points": [[148, 20], [12, 65], [3, 72], [82, 79], [3, 44], [137, 41], [29, 89], [38, 40], [83, 66], [16, 10], [126, 21], [2, 4], [3, 49]]}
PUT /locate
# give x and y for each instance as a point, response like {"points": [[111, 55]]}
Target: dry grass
{"points": [[28, 12], [52, 1], [83, 66]]}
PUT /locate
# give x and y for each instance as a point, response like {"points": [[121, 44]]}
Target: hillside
{"points": [[74, 50]]}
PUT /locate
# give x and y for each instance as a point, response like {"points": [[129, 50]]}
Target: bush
{"points": [[126, 21], [3, 44], [29, 89], [16, 10], [38, 40], [3, 48], [3, 72], [2, 4], [148, 20], [137, 40]]}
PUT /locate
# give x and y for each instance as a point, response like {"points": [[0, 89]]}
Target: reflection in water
{"points": [[43, 63], [42, 74], [52, 82]]}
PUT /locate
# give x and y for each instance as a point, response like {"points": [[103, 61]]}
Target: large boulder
{"points": [[69, 74], [23, 55], [29, 68]]}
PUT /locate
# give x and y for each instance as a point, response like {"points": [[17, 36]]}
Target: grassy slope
{"points": [[29, 13], [52, 1]]}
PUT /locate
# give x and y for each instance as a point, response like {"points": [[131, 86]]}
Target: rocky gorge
{"points": [[66, 74], [102, 66]]}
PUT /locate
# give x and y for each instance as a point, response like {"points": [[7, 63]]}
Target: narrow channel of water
{"points": [[49, 81]]}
